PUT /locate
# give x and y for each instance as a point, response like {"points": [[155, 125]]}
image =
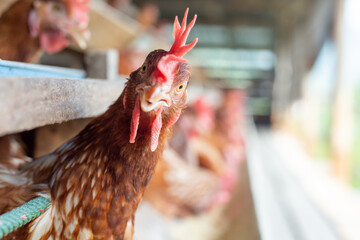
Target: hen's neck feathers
{"points": [[107, 136], [16, 43]]}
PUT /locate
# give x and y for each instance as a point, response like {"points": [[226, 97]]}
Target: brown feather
{"points": [[12, 152]]}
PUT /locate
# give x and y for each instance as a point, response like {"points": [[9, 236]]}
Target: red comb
{"points": [[180, 34], [167, 65]]}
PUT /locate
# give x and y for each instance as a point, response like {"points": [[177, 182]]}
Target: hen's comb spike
{"points": [[183, 24], [180, 34], [176, 27], [81, 4]]}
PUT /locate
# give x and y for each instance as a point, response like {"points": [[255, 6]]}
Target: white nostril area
{"points": [[152, 92], [152, 97]]}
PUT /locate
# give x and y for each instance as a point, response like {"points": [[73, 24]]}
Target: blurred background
{"points": [[269, 147]]}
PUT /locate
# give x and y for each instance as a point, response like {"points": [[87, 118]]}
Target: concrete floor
{"points": [[284, 209], [297, 197]]}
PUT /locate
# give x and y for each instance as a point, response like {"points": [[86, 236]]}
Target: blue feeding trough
{"points": [[18, 69]]}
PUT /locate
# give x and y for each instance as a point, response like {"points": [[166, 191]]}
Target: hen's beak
{"points": [[79, 37], [152, 97]]}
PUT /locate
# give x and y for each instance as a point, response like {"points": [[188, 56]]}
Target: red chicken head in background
{"points": [[56, 22], [159, 86]]}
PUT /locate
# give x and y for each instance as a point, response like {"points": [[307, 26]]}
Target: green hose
{"points": [[20, 216]]}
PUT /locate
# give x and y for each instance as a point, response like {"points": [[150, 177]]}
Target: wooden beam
{"points": [[27, 103], [5, 4], [342, 129], [109, 27]]}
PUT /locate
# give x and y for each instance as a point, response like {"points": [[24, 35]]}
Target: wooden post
{"points": [[341, 133], [102, 64]]}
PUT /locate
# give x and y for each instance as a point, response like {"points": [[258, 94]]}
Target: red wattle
{"points": [[125, 97], [155, 130], [135, 120], [53, 42]]}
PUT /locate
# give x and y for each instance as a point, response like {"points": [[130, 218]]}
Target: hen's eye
{"points": [[57, 7], [180, 87], [143, 68]]}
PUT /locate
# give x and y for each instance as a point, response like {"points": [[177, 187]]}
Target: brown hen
{"points": [[97, 179]]}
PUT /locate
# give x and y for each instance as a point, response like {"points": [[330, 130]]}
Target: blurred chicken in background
{"points": [[30, 27], [228, 129], [200, 166], [12, 152], [179, 189]]}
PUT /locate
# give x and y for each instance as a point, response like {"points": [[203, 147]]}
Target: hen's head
{"points": [[157, 90], [56, 22]]}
